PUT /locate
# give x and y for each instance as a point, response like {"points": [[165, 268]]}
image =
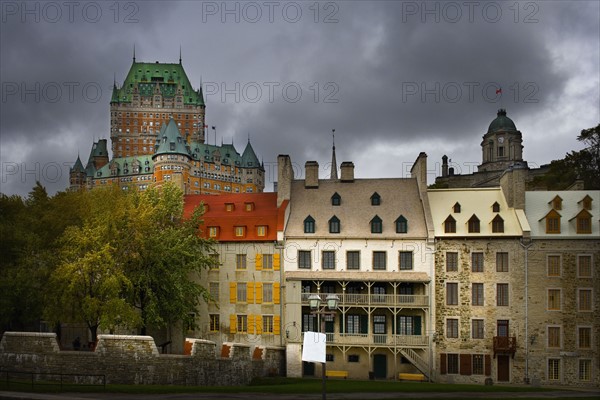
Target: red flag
{"points": [[499, 91]]}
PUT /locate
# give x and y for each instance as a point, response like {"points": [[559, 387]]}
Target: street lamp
{"points": [[314, 301]]}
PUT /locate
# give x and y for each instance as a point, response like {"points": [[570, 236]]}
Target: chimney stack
{"points": [[347, 169], [311, 180]]}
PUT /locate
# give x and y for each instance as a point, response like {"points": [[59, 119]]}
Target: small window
{"points": [[376, 225], [554, 369], [309, 225], [452, 363], [554, 337], [452, 329], [584, 337], [502, 262], [451, 293], [585, 370], [229, 207], [334, 225], [584, 222], [477, 331], [474, 224], [213, 231], [242, 323], [241, 292], [375, 199], [553, 265], [584, 300], [450, 225], [476, 262], [379, 260], [214, 323], [401, 225], [556, 203], [328, 261], [456, 208], [267, 289], [584, 266], [502, 294], [586, 202], [249, 206], [261, 230], [478, 365], [496, 207], [353, 259], [240, 261], [353, 358], [405, 260], [554, 299], [267, 261], [451, 262], [498, 224], [304, 259], [240, 231], [336, 199], [477, 294], [329, 357]]}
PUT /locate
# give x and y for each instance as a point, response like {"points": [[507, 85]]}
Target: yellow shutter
{"points": [[259, 292], [276, 297], [259, 327], [251, 324], [250, 293], [232, 292], [259, 262], [276, 323], [276, 261], [232, 323]]}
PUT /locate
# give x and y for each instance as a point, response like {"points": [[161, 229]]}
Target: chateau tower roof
{"points": [[169, 140]]}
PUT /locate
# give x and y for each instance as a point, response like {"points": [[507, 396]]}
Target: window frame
{"points": [[454, 263], [502, 295], [589, 300], [336, 199], [350, 260], [474, 224], [241, 262], [405, 260], [452, 293], [548, 265], [379, 257], [502, 261], [376, 224], [328, 260], [477, 294], [450, 224], [309, 224], [334, 225], [579, 266], [498, 224], [401, 224], [555, 291], [478, 332], [452, 328], [304, 259], [477, 261], [554, 337]]}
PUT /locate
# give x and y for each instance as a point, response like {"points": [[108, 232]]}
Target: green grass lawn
{"points": [[277, 385]]}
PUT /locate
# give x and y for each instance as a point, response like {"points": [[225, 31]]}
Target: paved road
{"points": [[586, 394]]}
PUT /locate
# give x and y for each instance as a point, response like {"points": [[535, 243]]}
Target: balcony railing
{"points": [[348, 299], [505, 344], [366, 339]]}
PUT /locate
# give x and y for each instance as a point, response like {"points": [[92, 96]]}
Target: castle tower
{"points": [[172, 159], [151, 95], [502, 145]]}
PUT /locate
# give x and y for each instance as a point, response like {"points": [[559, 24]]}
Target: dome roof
{"points": [[502, 123]]}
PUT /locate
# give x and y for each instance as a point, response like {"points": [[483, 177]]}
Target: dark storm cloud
{"points": [[393, 78]]}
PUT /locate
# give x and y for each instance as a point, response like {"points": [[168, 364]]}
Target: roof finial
{"points": [[134, 52], [334, 174], [180, 54], [248, 137], [115, 80]]}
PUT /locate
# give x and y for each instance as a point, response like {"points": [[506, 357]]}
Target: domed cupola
{"points": [[502, 123]]}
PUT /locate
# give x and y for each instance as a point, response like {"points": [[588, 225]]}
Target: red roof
{"points": [[249, 211]]}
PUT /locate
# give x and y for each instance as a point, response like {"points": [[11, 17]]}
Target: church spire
{"points": [[134, 52], [334, 174], [179, 54]]}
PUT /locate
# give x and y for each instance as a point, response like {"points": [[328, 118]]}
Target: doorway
{"points": [[503, 368], [308, 368], [380, 366]]}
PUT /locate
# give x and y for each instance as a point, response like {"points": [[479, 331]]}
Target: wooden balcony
{"points": [[369, 339], [505, 345], [384, 300]]}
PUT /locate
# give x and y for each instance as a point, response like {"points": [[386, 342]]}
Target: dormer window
{"points": [[336, 199], [586, 202], [456, 208], [261, 230], [552, 222], [556, 203], [240, 231], [496, 207], [229, 207], [213, 231], [497, 224], [584, 222], [309, 225], [249, 206], [474, 224], [376, 225], [450, 225], [334, 225], [375, 199], [401, 225]]}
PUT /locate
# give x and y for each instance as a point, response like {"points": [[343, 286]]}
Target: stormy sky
{"points": [[393, 78]]}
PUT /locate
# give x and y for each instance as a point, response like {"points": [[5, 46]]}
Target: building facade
{"points": [[158, 133], [246, 302], [367, 241]]}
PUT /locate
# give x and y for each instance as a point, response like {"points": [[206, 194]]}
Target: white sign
{"points": [[314, 347]]}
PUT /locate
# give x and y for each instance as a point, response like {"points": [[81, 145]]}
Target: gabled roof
{"points": [[249, 158], [169, 140], [264, 213], [146, 76], [78, 167], [126, 164]]}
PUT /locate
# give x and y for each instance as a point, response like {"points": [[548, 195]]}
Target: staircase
{"points": [[416, 360]]}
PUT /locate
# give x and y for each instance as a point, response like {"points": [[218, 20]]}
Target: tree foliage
{"points": [[106, 257]]}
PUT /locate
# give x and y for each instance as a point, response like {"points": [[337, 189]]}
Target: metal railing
{"points": [[365, 339], [29, 378]]}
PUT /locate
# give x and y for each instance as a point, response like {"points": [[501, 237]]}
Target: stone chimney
{"points": [[444, 165], [347, 169], [513, 182], [311, 180], [285, 175]]}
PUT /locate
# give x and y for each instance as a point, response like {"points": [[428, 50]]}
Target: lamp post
{"points": [[314, 301]]}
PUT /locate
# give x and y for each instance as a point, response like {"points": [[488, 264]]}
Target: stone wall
{"points": [[124, 359]]}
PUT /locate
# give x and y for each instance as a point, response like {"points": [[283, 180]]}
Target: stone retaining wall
{"points": [[126, 359]]}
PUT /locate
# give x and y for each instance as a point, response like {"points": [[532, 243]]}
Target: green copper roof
{"points": [[169, 140], [169, 77], [502, 123], [78, 167], [141, 165], [249, 158]]}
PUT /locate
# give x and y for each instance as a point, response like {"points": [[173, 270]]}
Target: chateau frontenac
{"points": [[157, 134]]}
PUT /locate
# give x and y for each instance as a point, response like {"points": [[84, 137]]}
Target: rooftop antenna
{"points": [[333, 160]]}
